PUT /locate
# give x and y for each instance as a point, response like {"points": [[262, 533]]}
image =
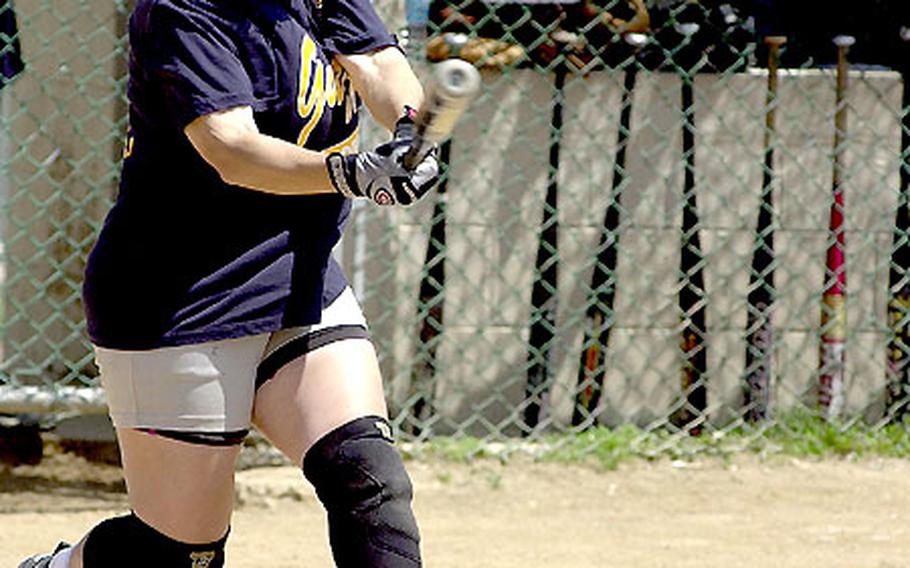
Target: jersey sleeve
{"points": [[352, 27], [195, 64]]}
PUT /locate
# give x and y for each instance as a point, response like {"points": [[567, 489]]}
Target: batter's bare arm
{"points": [[232, 144], [385, 81], [241, 155]]}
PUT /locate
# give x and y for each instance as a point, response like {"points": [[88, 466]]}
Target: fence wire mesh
{"points": [[642, 222]]}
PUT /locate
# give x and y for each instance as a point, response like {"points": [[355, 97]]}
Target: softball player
{"points": [[211, 295]]}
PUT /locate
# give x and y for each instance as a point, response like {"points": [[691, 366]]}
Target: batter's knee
{"points": [[360, 478], [127, 541]]}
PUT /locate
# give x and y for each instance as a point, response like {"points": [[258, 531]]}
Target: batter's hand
{"points": [[380, 175]]}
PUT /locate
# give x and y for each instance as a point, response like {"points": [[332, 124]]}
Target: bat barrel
{"points": [[455, 83]]}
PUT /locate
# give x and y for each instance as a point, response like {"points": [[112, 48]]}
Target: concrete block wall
{"points": [[496, 194]]}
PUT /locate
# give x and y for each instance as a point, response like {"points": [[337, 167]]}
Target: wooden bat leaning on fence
{"points": [[692, 297], [760, 300], [600, 317]]}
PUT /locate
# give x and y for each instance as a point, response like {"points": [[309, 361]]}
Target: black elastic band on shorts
{"points": [[234, 438], [304, 344]]}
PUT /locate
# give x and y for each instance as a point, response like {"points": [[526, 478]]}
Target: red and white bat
{"points": [[834, 299]]}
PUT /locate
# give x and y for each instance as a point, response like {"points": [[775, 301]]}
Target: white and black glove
{"points": [[380, 175]]}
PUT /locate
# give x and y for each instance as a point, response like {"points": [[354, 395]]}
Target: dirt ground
{"points": [[776, 512]]}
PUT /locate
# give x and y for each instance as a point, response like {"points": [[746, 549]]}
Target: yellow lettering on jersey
{"points": [[321, 87], [346, 146], [128, 146], [310, 72]]}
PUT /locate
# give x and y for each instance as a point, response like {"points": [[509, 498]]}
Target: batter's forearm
{"points": [[230, 142], [385, 81], [274, 166]]}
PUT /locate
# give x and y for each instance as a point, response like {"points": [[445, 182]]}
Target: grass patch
{"points": [[814, 437], [797, 435]]}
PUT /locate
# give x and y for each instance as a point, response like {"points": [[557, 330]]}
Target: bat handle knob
{"points": [[687, 29], [776, 41], [729, 14], [844, 40], [455, 42], [636, 40]]}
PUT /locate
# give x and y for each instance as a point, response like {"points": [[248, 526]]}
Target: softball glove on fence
{"points": [[380, 175]]}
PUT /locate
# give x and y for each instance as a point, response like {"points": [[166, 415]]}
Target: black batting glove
{"points": [[406, 127], [380, 175]]}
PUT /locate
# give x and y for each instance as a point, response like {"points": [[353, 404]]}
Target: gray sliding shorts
{"points": [[209, 387]]}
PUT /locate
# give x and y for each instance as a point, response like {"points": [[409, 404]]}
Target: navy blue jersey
{"points": [[184, 257]]}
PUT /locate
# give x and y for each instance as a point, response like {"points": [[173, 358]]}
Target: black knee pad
{"points": [[360, 478], [127, 541]]}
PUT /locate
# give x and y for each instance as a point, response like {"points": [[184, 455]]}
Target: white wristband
{"points": [[335, 165]]}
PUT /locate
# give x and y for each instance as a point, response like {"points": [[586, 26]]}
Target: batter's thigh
{"points": [[322, 384], [181, 413], [183, 490], [317, 393]]}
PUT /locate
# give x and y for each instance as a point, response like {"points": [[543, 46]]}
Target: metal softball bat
{"points": [[455, 83]]}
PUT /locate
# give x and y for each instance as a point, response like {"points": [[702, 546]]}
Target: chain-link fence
{"points": [[643, 221]]}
